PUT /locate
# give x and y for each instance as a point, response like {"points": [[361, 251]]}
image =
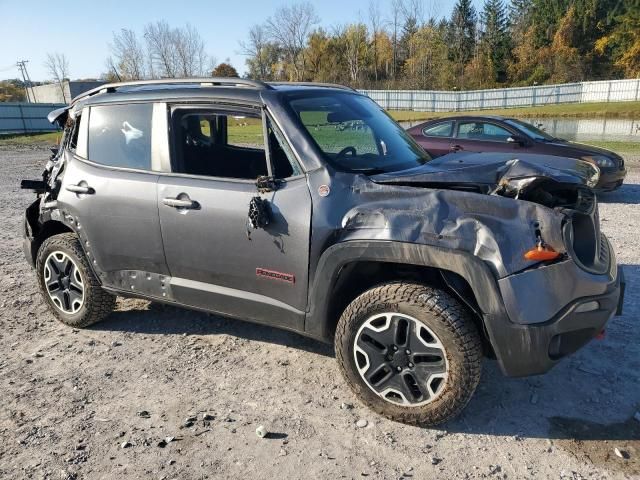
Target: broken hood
{"points": [[504, 174]]}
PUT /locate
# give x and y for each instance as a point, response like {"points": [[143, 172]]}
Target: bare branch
{"points": [[58, 67]]}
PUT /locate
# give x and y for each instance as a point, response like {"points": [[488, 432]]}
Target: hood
{"points": [[59, 116], [505, 174], [580, 149]]}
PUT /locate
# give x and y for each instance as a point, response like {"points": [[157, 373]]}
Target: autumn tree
{"points": [[225, 69], [290, 27], [622, 43], [262, 54]]}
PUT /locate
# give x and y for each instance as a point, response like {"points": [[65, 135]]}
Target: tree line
{"points": [[408, 45], [506, 43]]}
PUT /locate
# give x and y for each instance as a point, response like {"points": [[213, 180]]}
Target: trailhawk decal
{"points": [[272, 274]]}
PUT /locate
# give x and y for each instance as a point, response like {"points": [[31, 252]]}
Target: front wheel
{"points": [[68, 284], [410, 352]]}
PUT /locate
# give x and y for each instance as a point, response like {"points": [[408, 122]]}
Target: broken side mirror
{"points": [[259, 213]]}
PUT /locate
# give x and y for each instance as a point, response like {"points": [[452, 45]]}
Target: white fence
{"points": [[449, 101]]}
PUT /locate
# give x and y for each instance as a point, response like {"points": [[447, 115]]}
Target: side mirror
{"points": [[516, 139]]}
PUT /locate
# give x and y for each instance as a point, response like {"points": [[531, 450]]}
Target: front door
{"points": [[481, 136], [217, 260]]}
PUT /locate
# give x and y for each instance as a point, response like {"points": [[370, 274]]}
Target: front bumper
{"points": [[533, 348]]}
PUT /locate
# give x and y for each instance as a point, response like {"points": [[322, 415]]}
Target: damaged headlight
{"points": [[591, 173], [600, 160]]}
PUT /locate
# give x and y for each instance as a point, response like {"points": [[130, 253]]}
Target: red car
{"points": [[446, 136]]}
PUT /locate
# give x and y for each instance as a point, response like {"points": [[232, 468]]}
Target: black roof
{"points": [[193, 89]]}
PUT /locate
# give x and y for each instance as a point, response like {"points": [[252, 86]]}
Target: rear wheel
{"points": [[68, 284], [410, 352]]}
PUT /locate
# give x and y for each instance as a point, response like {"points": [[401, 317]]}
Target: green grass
{"points": [[591, 110], [629, 148], [51, 138]]}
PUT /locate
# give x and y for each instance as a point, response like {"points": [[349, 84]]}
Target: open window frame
{"points": [[175, 112]]}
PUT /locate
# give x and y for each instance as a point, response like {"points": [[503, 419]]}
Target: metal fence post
{"points": [[533, 94], [24, 123], [637, 89], [609, 91]]}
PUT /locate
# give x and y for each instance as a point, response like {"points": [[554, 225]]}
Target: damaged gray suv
{"points": [[306, 207]]}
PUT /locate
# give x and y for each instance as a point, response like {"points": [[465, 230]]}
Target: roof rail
{"points": [[315, 84], [204, 81]]}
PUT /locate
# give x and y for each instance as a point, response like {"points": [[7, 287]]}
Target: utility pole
{"points": [[22, 65]]}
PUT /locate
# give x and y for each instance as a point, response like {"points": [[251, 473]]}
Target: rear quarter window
{"points": [[444, 129], [120, 135]]}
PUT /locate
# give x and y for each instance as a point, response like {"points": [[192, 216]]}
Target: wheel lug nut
{"points": [[408, 352], [410, 365], [399, 368], [395, 349]]}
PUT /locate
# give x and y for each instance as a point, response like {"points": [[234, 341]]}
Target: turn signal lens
{"points": [[541, 254]]}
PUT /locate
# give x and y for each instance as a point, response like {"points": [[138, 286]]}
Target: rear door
{"points": [[436, 138], [109, 188], [482, 136], [217, 260]]}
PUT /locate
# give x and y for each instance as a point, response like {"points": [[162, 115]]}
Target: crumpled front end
{"points": [[549, 308], [495, 229]]}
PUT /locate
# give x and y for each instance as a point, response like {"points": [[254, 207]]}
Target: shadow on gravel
{"points": [[590, 396], [168, 320], [627, 193]]}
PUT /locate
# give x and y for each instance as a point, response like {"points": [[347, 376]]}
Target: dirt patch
{"points": [[160, 392], [613, 446]]}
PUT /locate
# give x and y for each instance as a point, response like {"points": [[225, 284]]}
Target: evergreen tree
{"points": [[462, 35], [495, 36]]}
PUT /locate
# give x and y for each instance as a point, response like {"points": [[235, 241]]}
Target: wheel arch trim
{"points": [[473, 270]]}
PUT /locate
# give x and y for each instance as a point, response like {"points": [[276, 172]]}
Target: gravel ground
{"points": [[99, 403]]}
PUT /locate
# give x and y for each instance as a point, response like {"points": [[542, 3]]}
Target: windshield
{"points": [[355, 134], [530, 130]]}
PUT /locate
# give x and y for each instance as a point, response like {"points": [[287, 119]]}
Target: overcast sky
{"points": [[83, 29]]}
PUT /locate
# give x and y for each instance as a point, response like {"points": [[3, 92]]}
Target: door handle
{"points": [[180, 203], [80, 189], [456, 148]]}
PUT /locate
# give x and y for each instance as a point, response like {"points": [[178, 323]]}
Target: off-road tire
{"points": [[444, 316], [97, 303]]}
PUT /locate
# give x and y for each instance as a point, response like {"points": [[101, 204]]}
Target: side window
{"points": [[282, 157], [483, 131], [227, 145], [444, 129], [120, 135], [338, 135]]}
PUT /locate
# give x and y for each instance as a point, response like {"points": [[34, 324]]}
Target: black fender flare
{"points": [[472, 269]]}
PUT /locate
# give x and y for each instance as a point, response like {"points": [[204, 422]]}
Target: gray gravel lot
{"points": [[72, 399]]}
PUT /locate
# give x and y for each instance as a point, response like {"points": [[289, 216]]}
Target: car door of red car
{"points": [[435, 138], [483, 136]]}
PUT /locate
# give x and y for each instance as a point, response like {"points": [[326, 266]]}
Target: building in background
{"points": [[52, 93]]}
